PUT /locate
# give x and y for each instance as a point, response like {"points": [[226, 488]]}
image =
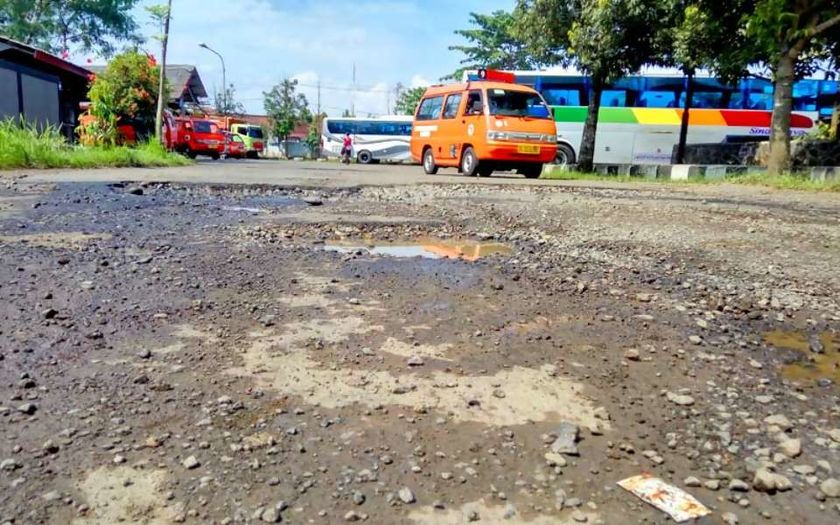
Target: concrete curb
{"points": [[695, 171]]}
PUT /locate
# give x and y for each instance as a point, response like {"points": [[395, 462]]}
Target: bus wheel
{"points": [[429, 165], [469, 162], [364, 157], [531, 171], [565, 155]]}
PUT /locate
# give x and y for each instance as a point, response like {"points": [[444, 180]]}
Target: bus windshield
{"points": [[512, 103]]}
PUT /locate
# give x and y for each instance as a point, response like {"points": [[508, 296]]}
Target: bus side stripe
{"points": [[673, 117], [665, 117]]}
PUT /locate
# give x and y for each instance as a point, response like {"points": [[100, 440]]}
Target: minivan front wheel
{"points": [[469, 162], [429, 165]]}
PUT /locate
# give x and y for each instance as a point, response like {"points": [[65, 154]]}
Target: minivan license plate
{"points": [[529, 149]]}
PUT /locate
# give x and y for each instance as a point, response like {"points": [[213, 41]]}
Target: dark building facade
{"points": [[40, 87]]}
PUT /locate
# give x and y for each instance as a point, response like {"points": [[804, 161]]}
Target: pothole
{"points": [[425, 248], [821, 355]]}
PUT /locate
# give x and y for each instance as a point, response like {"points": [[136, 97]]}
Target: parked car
{"points": [[195, 137], [235, 147]]}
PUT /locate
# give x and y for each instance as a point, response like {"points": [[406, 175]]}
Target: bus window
{"points": [[805, 95], [562, 97], [614, 98], [703, 99], [430, 108], [829, 87], [656, 99], [763, 101]]}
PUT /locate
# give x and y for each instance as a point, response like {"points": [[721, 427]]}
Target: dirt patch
{"points": [[407, 350], [125, 495], [480, 511], [510, 397], [72, 240]]}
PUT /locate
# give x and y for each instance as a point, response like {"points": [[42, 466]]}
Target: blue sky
{"points": [[262, 41]]}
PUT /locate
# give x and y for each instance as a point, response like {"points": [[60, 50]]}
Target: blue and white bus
{"points": [[375, 139]]}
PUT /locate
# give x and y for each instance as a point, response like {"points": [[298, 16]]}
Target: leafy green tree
{"points": [[606, 39], [226, 103], [127, 92], [313, 138], [59, 25], [408, 100], [793, 38], [286, 109], [493, 43]]}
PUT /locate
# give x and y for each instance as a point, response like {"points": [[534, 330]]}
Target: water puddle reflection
{"points": [[815, 366], [426, 248]]}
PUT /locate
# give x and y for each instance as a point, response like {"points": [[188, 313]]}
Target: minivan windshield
{"points": [[255, 133], [512, 103]]}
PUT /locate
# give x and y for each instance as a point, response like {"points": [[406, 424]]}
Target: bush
{"points": [[28, 146]]}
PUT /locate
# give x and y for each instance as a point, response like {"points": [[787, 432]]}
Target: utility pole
{"points": [[319, 96], [162, 76], [353, 93]]}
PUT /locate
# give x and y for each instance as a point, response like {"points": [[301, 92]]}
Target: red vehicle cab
{"points": [[195, 137], [234, 146]]}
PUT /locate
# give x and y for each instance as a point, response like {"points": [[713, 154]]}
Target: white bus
{"points": [[639, 120], [375, 139]]}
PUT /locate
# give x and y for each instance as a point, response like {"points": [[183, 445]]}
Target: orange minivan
{"points": [[481, 126]]}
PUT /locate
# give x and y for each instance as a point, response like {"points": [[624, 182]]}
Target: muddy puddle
{"points": [[425, 248], [814, 366]]}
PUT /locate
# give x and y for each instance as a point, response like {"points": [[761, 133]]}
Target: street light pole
{"points": [[224, 79]]}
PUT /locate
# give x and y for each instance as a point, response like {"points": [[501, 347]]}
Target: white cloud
{"points": [[263, 41]]}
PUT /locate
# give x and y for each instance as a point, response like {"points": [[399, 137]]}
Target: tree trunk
{"points": [[586, 159], [779, 161], [689, 99], [834, 133], [161, 101]]}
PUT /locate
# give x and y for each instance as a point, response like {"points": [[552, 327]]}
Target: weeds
{"points": [[29, 146]]}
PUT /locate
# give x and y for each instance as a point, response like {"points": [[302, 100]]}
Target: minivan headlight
{"points": [[498, 135]]}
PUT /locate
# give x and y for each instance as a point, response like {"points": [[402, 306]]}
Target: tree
{"points": [[226, 103], [313, 138], [127, 91], [606, 39], [792, 38], [161, 14], [408, 100], [286, 109], [59, 25], [492, 44]]}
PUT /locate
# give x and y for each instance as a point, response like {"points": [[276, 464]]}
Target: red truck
{"points": [[194, 136]]}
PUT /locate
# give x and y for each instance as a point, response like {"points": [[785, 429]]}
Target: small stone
{"points": [[831, 488], [729, 518], [52, 495], [778, 420], [119, 459], [712, 484], [50, 447], [49, 313], [415, 360], [191, 463], [270, 515], [406, 495], [764, 400], [555, 460], [135, 190], [791, 447], [834, 434], [579, 517], [682, 400], [691, 481], [28, 408], [631, 354], [815, 345], [567, 435], [313, 201], [695, 339], [9, 465], [804, 470], [738, 486], [352, 516], [766, 481], [358, 498], [144, 353]]}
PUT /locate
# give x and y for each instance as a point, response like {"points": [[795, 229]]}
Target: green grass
{"points": [[27, 147], [781, 182]]}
